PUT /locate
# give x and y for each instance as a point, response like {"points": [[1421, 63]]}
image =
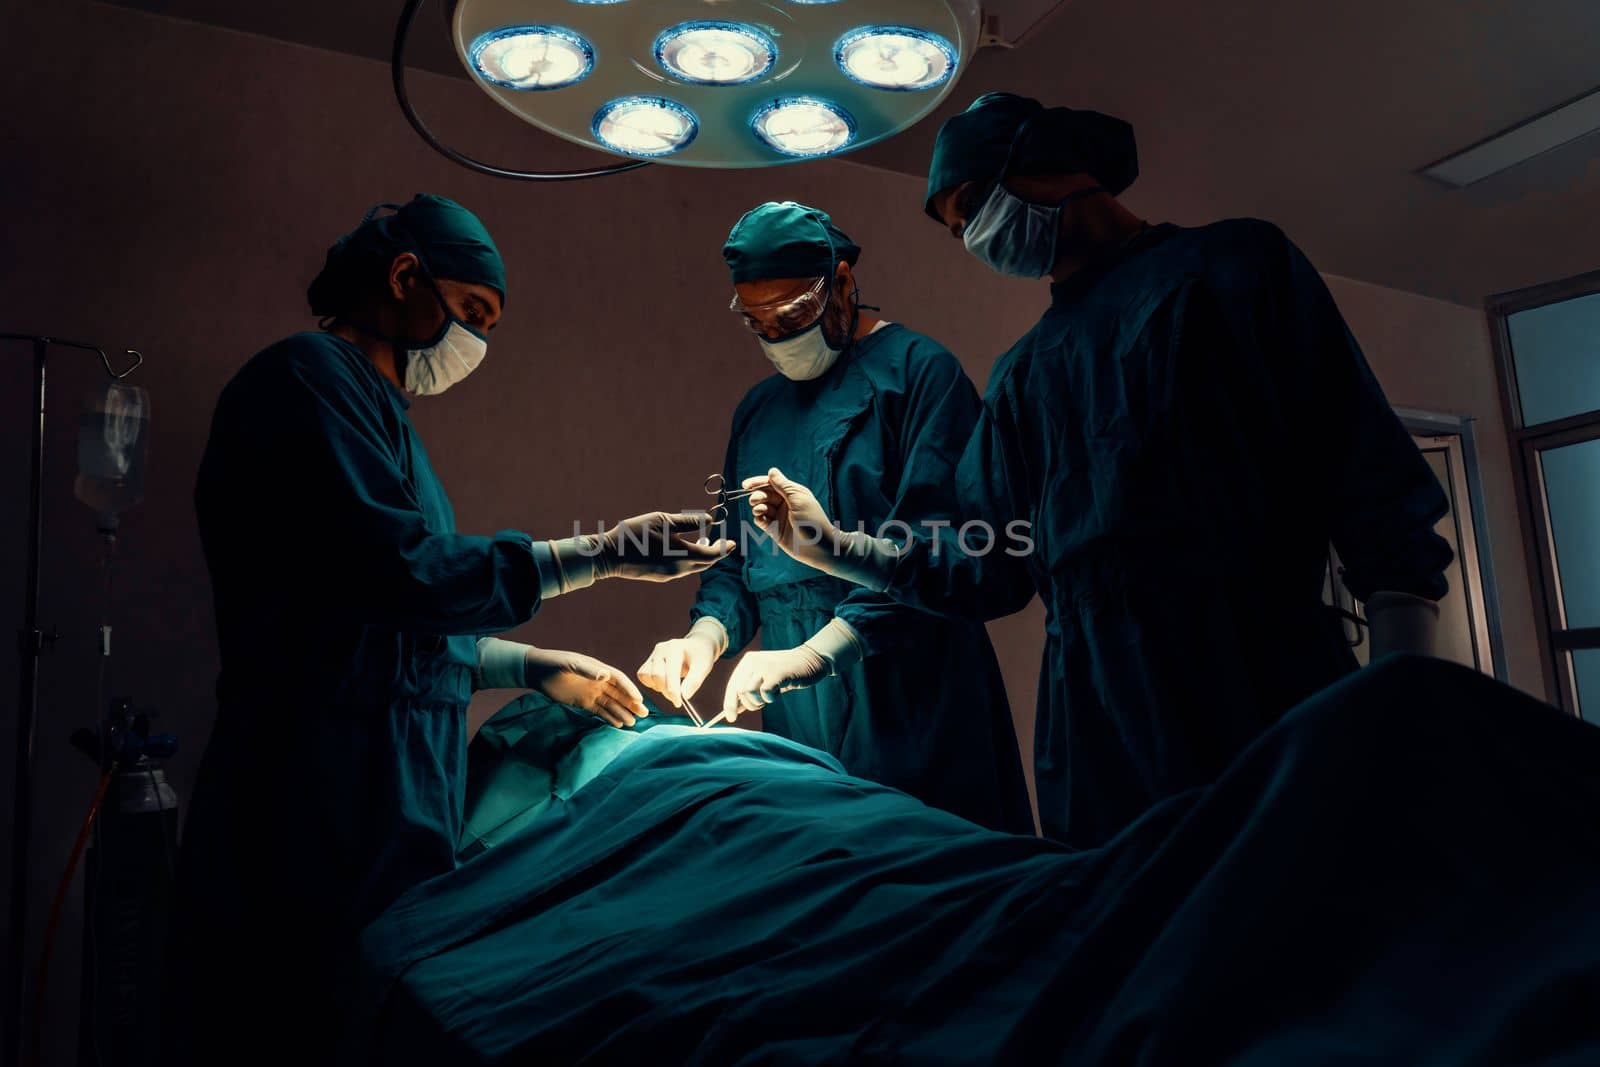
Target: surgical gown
{"points": [[925, 711], [1185, 430], [346, 612]]}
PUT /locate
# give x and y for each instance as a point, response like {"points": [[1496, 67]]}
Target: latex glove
{"points": [[677, 669], [656, 547], [761, 676], [584, 682], [1401, 622], [791, 515]]}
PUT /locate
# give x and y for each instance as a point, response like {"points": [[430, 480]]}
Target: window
{"points": [[1556, 354], [1548, 343], [1571, 484], [1586, 675]]}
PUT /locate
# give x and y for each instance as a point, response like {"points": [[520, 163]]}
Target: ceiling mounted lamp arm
{"points": [[397, 70], [994, 35]]}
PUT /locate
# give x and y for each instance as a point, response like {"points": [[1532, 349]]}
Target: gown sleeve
{"points": [[364, 533], [1385, 498], [935, 572], [939, 412]]}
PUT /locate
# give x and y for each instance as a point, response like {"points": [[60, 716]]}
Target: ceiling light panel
{"points": [[1521, 143]]}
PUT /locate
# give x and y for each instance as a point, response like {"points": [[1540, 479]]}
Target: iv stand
{"points": [[31, 643]]}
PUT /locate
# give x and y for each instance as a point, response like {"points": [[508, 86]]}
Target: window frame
{"points": [[1528, 443]]}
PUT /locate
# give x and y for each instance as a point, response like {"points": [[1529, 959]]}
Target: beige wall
{"points": [[173, 188]]}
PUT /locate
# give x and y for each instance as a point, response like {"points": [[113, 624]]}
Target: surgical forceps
{"points": [[717, 486], [701, 723]]}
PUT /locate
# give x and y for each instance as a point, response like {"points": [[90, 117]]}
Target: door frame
{"points": [[1472, 528]]}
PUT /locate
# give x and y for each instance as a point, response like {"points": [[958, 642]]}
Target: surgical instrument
{"points": [[718, 717], [717, 486]]}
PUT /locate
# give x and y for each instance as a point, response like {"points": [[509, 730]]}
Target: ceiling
{"points": [[1313, 115]]}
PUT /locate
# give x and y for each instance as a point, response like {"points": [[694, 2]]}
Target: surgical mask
{"points": [[454, 353], [1015, 236], [804, 356]]}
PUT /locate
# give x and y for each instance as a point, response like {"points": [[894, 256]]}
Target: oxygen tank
{"points": [[128, 883]]}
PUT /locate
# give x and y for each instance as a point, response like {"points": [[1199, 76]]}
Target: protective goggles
{"points": [[785, 316]]}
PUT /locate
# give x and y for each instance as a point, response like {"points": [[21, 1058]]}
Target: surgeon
{"points": [[351, 618], [1183, 434], [875, 415]]}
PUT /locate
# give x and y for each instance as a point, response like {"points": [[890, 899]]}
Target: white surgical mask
{"points": [[804, 356], [1015, 236], [450, 357]]}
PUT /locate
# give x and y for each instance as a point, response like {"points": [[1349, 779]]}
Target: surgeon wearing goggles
{"points": [[1186, 430], [352, 618], [875, 415]]}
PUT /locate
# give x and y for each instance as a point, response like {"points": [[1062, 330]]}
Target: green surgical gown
{"points": [[347, 607], [877, 437], [1185, 430]]}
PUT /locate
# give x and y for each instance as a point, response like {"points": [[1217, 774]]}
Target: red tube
{"points": [[55, 915]]}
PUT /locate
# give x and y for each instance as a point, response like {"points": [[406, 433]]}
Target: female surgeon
{"points": [[1185, 430], [350, 615], [875, 415]]}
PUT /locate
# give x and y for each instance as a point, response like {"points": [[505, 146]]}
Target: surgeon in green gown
{"points": [[352, 621], [875, 415], [1185, 431]]}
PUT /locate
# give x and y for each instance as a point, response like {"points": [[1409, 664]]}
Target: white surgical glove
{"points": [[1401, 622], [792, 516], [584, 682], [566, 677], [677, 668], [761, 676], [656, 547]]}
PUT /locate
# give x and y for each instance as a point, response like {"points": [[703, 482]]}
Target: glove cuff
{"points": [[566, 565], [838, 644], [501, 665], [1401, 622], [865, 560], [710, 629]]}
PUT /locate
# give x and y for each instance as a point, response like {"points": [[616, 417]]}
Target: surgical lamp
{"points": [[704, 83]]}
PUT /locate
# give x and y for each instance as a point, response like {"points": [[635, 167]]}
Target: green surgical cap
{"points": [[786, 240], [1005, 135], [447, 238]]}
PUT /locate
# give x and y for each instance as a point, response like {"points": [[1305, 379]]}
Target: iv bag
{"points": [[113, 443]]}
